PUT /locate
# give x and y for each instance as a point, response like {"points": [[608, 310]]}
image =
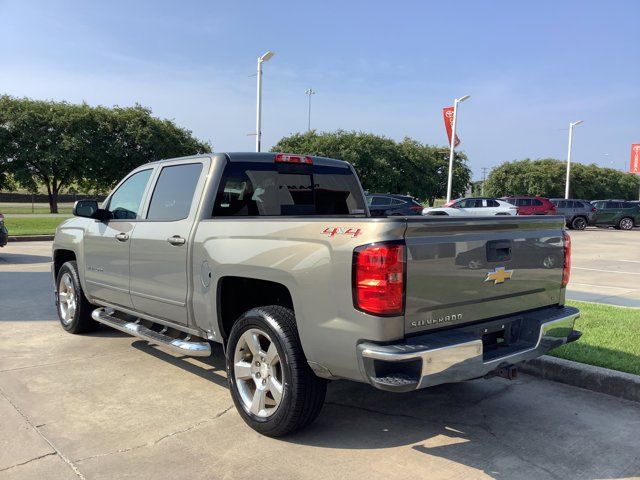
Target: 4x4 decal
{"points": [[332, 231]]}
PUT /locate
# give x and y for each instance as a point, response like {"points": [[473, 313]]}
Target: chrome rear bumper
{"points": [[459, 354]]}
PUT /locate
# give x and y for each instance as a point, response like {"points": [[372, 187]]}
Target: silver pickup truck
{"points": [[276, 257]]}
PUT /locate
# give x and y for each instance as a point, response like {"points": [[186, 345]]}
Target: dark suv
{"points": [[531, 205], [385, 205], [616, 213], [577, 213]]}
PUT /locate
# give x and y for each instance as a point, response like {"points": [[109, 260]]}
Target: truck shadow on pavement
{"points": [[207, 368], [527, 428], [7, 258]]}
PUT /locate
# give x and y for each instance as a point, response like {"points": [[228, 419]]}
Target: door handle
{"points": [[122, 237], [176, 240]]}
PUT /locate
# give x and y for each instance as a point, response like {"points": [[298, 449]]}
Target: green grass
{"points": [[8, 208], [32, 225], [610, 338]]}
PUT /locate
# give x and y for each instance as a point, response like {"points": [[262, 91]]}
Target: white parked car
{"points": [[467, 207]]}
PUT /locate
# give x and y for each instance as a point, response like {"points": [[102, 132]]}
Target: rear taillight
{"points": [[288, 158], [378, 279], [566, 269], [416, 208], [593, 209]]}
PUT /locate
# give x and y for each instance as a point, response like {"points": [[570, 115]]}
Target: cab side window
{"points": [[380, 201], [125, 201], [173, 193]]}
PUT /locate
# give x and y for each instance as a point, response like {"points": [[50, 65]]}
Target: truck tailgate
{"points": [[461, 271]]}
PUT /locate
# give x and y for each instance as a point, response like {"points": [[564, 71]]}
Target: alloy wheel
{"points": [[579, 223], [626, 224], [258, 373], [67, 299]]}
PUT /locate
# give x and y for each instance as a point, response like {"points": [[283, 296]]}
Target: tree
{"points": [[58, 144], [384, 165], [546, 177]]}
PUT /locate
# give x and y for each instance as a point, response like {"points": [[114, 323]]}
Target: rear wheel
{"points": [[625, 223], [579, 223], [74, 310], [272, 386]]}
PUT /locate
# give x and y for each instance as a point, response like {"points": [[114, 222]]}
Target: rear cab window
{"points": [[286, 189], [173, 192]]}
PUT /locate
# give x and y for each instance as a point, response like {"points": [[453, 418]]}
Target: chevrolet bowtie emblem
{"points": [[498, 275]]}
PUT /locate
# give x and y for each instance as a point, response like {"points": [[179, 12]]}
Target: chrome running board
{"points": [[184, 346]]}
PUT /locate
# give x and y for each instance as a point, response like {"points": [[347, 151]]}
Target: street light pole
{"points": [[309, 92], [453, 143], [261, 59], [566, 185]]}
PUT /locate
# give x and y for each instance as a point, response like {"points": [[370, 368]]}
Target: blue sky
{"points": [[384, 67]]}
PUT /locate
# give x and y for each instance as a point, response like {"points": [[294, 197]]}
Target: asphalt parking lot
{"points": [[107, 405], [606, 266]]}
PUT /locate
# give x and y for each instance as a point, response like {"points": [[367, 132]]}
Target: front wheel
{"points": [[272, 386], [74, 310], [625, 224]]}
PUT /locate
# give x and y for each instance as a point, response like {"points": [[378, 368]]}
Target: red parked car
{"points": [[531, 205]]}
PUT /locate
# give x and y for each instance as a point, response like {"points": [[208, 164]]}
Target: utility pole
{"points": [[309, 92], [484, 178]]}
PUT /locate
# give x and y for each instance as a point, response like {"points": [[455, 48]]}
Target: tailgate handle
{"points": [[498, 250]]}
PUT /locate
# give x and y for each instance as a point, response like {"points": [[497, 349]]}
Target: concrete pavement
{"points": [[106, 405]]}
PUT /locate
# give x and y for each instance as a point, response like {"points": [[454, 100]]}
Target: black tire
{"points": [[80, 321], [579, 223], [303, 392], [626, 223]]}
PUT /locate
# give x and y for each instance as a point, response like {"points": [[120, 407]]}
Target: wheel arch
{"points": [[236, 295], [60, 257]]}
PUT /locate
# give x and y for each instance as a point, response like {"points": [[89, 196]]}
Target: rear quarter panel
{"points": [[314, 266]]}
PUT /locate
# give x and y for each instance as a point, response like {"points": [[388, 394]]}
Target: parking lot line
{"points": [[606, 271], [602, 286]]}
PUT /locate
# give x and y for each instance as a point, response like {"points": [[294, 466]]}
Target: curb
{"points": [[31, 238], [598, 379]]}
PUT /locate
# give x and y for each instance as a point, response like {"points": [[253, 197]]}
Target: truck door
{"points": [[106, 244], [160, 243]]}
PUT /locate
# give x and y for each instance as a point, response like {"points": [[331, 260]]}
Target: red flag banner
{"points": [[447, 113], [634, 166]]}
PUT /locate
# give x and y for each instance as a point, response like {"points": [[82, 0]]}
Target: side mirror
{"points": [[90, 209]]}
